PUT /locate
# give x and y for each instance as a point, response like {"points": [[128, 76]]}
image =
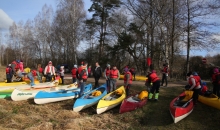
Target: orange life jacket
{"points": [[130, 78], [153, 77], [197, 82], [114, 74], [34, 72], [84, 75], [73, 71], [165, 69], [107, 71], [17, 66], [40, 70], [8, 69]]}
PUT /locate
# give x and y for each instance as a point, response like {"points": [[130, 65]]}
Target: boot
{"points": [[156, 96], [150, 96]]}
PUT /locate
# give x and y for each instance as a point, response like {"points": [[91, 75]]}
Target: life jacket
{"points": [[197, 82], [114, 74], [34, 72], [89, 70], [204, 89], [153, 77], [130, 77], [21, 66], [40, 70], [81, 74], [8, 70], [17, 66], [73, 71], [107, 72], [214, 77]]}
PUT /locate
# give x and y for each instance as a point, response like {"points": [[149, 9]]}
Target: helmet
{"points": [[18, 61], [108, 65], [9, 64], [126, 69], [75, 66], [216, 70], [194, 73]]}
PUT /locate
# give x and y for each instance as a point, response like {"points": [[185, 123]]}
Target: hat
{"points": [[126, 69], [194, 73], [108, 65], [188, 74], [153, 71], [215, 70], [61, 67]]}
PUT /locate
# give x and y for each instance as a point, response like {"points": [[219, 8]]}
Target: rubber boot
{"points": [[150, 96], [156, 96]]}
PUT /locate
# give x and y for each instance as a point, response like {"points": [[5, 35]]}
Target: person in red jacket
{"points": [[82, 77], [15, 66], [155, 81], [114, 76], [194, 86], [9, 73], [164, 74], [107, 76], [74, 73], [127, 80], [216, 81], [89, 71], [31, 75]]}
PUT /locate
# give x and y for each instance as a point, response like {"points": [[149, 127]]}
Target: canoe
{"points": [[5, 92], [47, 97], [131, 103], [111, 100], [181, 106], [137, 78], [4, 84], [211, 100], [25, 94], [89, 99]]}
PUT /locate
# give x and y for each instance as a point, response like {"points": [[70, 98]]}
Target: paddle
{"points": [[187, 102]]}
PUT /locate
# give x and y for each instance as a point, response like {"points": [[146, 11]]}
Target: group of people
{"points": [[16, 69]]}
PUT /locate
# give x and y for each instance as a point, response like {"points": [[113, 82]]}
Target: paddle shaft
{"points": [[187, 102]]}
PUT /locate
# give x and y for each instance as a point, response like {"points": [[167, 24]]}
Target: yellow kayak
{"points": [[111, 100], [4, 84], [211, 100], [138, 78]]}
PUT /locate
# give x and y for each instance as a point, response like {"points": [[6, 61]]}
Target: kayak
{"points": [[6, 92], [25, 94], [137, 78], [111, 100], [90, 98], [131, 103], [4, 84], [211, 100], [181, 106], [47, 97]]}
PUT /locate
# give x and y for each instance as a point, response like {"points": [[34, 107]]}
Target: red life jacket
{"points": [[84, 76], [204, 89], [197, 78], [197, 82], [17, 66], [34, 72], [73, 71], [107, 71], [8, 69], [130, 78], [153, 77], [114, 74], [40, 70], [89, 70], [214, 77], [165, 69]]}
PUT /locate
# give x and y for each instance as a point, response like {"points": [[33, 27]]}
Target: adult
{"points": [[15, 66], [21, 65], [31, 75], [89, 71], [107, 76], [127, 80], [194, 86], [49, 71], [114, 76], [82, 77], [9, 73], [216, 81], [74, 73], [155, 81], [62, 74], [133, 72], [97, 73], [198, 78], [164, 74]]}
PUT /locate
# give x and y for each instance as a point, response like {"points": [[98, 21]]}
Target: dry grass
{"points": [[59, 116]]}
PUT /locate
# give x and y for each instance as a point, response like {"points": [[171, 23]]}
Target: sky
{"points": [[22, 10]]}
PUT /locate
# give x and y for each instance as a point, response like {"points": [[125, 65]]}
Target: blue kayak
{"points": [[43, 97], [89, 99]]}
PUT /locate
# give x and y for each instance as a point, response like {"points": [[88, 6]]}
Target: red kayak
{"points": [[181, 106], [132, 103]]}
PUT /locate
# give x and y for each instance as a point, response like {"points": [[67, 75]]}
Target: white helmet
{"points": [[75, 66]]}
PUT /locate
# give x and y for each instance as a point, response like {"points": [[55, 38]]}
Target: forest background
{"points": [[119, 32]]}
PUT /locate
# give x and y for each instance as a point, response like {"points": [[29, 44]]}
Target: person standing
{"points": [[107, 76], [114, 76], [82, 77], [194, 86], [97, 73], [49, 71], [21, 66], [74, 73], [155, 81], [164, 74], [216, 82], [127, 80], [62, 73], [9, 73], [89, 71], [15, 66], [132, 70]]}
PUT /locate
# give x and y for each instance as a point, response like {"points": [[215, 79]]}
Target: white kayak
{"points": [[25, 94]]}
